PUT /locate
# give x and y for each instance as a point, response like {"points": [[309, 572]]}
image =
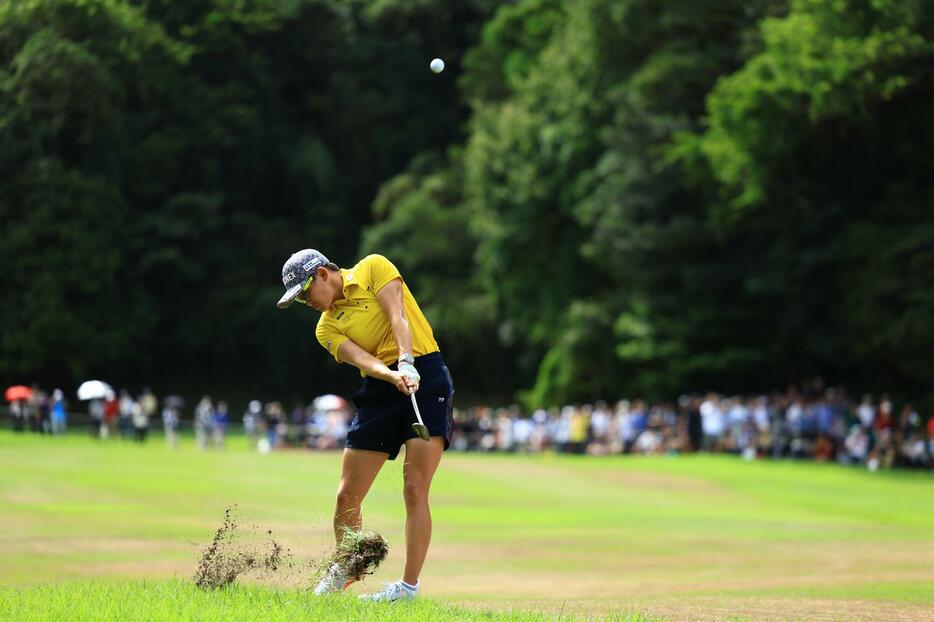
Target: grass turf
{"points": [[680, 537], [181, 600]]}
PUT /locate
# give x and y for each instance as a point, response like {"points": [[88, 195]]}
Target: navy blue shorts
{"points": [[384, 417]]}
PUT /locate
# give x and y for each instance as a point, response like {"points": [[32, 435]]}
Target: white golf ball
{"points": [[437, 65]]}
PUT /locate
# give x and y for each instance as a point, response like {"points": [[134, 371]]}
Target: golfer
{"points": [[370, 320]]}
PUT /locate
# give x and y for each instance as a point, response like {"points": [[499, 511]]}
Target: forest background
{"points": [[596, 199]]}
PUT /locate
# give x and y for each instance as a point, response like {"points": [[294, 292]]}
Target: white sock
{"points": [[409, 588]]}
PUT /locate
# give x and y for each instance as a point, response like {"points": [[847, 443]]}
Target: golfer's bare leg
{"points": [[421, 461], [359, 468]]}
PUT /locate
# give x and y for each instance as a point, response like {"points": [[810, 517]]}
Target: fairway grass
{"points": [[680, 538], [181, 600]]}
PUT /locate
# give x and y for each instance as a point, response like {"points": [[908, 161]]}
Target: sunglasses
{"points": [[301, 294]]}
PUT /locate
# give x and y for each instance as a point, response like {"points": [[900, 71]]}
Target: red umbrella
{"points": [[18, 392]]}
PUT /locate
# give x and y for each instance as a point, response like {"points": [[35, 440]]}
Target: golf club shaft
{"points": [[418, 415]]}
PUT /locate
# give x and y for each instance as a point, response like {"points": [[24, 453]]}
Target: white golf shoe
{"points": [[391, 592], [334, 581]]}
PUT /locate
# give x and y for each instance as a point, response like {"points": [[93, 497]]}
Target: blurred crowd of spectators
{"points": [[817, 423], [115, 414], [823, 426], [322, 424], [40, 412]]}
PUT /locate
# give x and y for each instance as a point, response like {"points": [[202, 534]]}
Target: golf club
{"points": [[420, 428]]}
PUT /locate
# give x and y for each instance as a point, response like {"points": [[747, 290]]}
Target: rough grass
{"points": [[181, 600], [694, 537]]}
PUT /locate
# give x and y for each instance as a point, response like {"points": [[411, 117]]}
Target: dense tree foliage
{"points": [[597, 198]]}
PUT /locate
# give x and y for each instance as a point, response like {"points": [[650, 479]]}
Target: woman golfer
{"points": [[370, 320]]}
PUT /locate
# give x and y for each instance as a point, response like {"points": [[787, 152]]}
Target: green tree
{"points": [[66, 245], [590, 242], [815, 152], [218, 137]]}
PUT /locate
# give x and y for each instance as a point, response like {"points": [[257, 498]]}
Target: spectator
{"points": [[170, 423], [96, 414], [539, 439], [695, 428], [713, 422], [149, 405], [219, 425], [140, 422], [486, 438], [316, 423], [823, 449], [857, 445], [648, 442], [884, 452], [747, 439], [111, 413], [298, 426], [204, 420], [931, 436], [334, 431], [798, 422], [737, 415], [626, 430], [31, 410], [18, 410], [640, 417], [504, 437], [274, 420], [600, 420], [913, 451], [762, 419], [522, 430], [42, 411], [59, 418], [125, 421], [251, 422], [866, 412], [909, 422]]}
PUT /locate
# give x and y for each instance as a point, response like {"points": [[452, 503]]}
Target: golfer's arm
{"points": [[390, 300], [350, 352]]}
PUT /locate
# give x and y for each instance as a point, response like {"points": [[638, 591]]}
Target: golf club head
{"points": [[421, 430]]}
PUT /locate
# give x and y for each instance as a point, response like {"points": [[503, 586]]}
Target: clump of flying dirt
{"points": [[231, 554], [359, 554]]}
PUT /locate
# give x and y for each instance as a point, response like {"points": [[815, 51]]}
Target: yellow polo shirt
{"points": [[360, 318]]}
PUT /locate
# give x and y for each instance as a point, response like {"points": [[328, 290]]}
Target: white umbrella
{"points": [[94, 390], [330, 402]]}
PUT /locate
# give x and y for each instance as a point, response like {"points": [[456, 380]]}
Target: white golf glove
{"points": [[408, 370]]}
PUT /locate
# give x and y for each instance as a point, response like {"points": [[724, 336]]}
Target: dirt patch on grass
{"points": [[788, 609], [688, 581], [719, 609]]}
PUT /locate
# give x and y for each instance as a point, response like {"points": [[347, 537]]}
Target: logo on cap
{"points": [[297, 270]]}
